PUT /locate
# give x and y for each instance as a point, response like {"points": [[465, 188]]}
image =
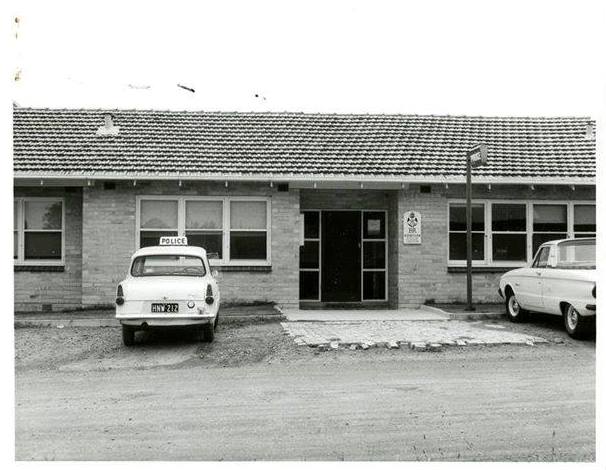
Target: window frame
{"points": [[571, 220], [457, 202], [20, 229], [226, 228], [488, 239]]}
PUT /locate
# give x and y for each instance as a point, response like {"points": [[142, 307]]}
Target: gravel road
{"points": [[253, 394]]}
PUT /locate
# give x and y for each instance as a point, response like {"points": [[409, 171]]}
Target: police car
{"points": [[168, 285]]}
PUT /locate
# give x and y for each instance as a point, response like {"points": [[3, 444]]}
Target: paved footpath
{"points": [[414, 334]]}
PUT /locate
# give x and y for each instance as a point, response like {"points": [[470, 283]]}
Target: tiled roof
{"points": [[169, 143]]}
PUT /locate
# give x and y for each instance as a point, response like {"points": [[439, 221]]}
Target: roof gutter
{"points": [[24, 176]]}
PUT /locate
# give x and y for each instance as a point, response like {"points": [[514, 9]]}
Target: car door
{"points": [[534, 281]]}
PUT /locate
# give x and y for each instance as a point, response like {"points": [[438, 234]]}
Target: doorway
{"points": [[343, 257]]}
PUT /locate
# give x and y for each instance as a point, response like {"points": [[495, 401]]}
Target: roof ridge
{"points": [[298, 113]]}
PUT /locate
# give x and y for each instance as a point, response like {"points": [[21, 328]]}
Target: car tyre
{"points": [[514, 311], [128, 335], [208, 332], [576, 325]]}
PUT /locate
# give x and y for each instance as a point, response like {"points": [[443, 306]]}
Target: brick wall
{"points": [[35, 291], [423, 271], [109, 227]]}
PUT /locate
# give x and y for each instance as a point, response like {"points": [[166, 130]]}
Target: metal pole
{"points": [[469, 251]]}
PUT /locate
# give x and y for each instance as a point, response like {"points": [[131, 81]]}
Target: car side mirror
{"points": [[214, 273]]}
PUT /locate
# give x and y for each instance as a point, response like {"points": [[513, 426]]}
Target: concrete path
{"points": [[409, 314], [415, 334]]}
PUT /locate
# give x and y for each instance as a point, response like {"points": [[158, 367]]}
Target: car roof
{"points": [[561, 240], [171, 250]]}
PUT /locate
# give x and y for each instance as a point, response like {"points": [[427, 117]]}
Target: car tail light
{"points": [[593, 291], [120, 295], [209, 294]]}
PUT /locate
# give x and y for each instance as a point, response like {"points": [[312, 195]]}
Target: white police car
{"points": [[168, 285]]}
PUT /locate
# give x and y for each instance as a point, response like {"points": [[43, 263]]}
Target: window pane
{"points": [[458, 216], [159, 214], [152, 238], [458, 246], [539, 238], [584, 218], [42, 245], [168, 265], [204, 214], [549, 218], [43, 215], [311, 224], [374, 224], [309, 285], [212, 242], [374, 285], [309, 255], [374, 255], [509, 247], [508, 217], [541, 260], [248, 245], [15, 245], [248, 215]]}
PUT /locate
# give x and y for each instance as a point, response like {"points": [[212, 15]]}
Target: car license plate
{"points": [[165, 308]]}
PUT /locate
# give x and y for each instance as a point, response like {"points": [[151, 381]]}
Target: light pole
{"points": [[476, 156]]}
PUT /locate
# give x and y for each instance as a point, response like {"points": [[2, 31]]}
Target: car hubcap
{"points": [[572, 317], [514, 307]]}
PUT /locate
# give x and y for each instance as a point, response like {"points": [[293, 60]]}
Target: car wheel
{"points": [[128, 335], [208, 332], [514, 311], [577, 325]]}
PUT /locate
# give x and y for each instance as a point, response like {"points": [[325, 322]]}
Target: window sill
{"points": [[39, 268], [249, 268], [482, 269]]}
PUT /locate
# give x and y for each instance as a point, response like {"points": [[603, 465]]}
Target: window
{"points": [[38, 230], [457, 229], [373, 255], [204, 226], [550, 222], [248, 230], [233, 230], [584, 220], [509, 233], [168, 265], [158, 218], [309, 257], [541, 259]]}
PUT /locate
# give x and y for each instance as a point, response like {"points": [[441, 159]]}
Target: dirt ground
{"points": [[253, 394], [237, 342]]}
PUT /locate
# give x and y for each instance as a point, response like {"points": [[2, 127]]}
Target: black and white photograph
{"points": [[304, 232]]}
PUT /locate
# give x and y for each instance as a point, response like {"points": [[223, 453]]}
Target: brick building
{"points": [[297, 209]]}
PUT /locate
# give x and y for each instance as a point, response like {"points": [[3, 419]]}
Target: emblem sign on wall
{"points": [[412, 228]]}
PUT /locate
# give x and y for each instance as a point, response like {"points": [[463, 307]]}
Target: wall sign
{"points": [[412, 228], [373, 226]]}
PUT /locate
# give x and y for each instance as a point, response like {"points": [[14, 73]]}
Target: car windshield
{"points": [[168, 265], [577, 254]]}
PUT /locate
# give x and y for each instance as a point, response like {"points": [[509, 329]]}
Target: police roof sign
{"points": [[412, 228], [173, 241]]}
